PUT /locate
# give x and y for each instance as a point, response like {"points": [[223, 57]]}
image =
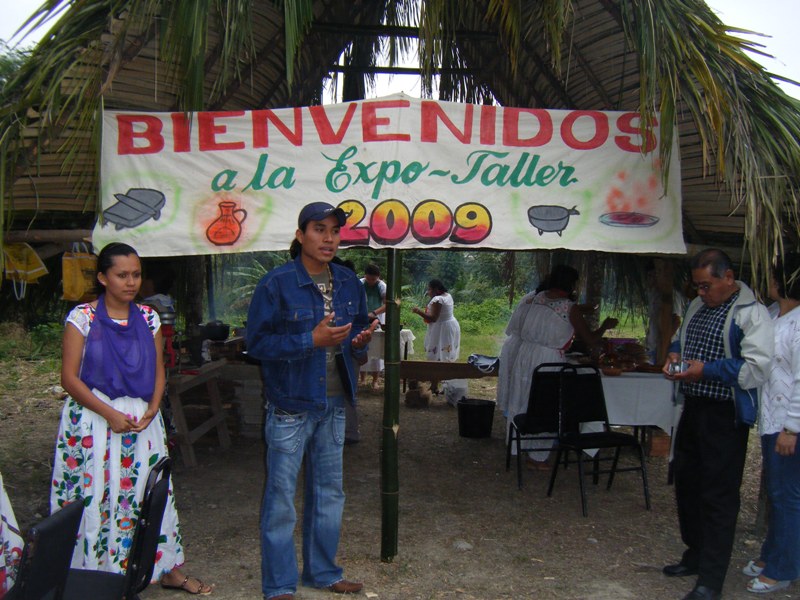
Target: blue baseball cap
{"points": [[318, 211]]}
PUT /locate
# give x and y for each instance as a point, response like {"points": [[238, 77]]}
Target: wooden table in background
{"points": [[230, 348], [431, 370], [178, 385]]}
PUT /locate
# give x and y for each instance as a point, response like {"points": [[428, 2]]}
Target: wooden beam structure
{"points": [[48, 235]]}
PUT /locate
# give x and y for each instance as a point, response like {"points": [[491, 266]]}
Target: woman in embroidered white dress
{"points": [[540, 330], [10, 543], [443, 338], [111, 430]]}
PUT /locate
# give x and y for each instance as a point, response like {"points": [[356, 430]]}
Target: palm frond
{"points": [[402, 13], [298, 15], [688, 57]]}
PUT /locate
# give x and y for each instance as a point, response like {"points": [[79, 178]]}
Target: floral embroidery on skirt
{"points": [[112, 486]]}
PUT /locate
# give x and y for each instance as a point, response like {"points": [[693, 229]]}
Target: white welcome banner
{"points": [[410, 173]]}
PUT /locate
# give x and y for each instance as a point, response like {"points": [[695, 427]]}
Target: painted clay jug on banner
{"points": [[227, 227]]}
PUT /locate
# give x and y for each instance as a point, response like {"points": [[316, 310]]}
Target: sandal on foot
{"points": [[202, 588], [752, 569], [757, 586]]}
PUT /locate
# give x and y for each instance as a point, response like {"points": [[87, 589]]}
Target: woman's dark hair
{"points": [[437, 286], [105, 260], [787, 275], [562, 278]]}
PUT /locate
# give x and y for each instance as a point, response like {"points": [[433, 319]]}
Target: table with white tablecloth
{"points": [[377, 342], [641, 399]]}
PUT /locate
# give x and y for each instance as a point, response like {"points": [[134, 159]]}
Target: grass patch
{"points": [[42, 342]]}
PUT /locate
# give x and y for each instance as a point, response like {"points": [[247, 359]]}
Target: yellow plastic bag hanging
{"points": [[22, 266], [22, 263], [78, 270]]}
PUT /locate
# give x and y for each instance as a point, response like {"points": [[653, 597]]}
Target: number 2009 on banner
{"points": [[431, 222]]}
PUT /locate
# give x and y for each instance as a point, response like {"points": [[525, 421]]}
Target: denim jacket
{"points": [[749, 341], [285, 308]]}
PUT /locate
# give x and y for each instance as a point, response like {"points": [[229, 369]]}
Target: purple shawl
{"points": [[119, 360]]}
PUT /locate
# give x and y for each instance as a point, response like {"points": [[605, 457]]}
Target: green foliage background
{"points": [[477, 281]]}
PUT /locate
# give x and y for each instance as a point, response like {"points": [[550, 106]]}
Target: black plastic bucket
{"points": [[475, 417]]}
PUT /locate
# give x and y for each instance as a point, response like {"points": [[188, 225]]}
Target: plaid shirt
{"points": [[704, 342]]}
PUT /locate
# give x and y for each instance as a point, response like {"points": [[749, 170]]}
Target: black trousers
{"points": [[710, 451]]}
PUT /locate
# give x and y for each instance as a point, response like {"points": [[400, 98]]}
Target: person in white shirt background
{"points": [[375, 289], [779, 423]]}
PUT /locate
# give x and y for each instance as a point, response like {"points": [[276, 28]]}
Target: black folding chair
{"points": [[101, 585], [46, 556], [541, 416], [581, 400]]}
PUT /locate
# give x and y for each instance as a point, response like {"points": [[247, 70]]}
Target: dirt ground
{"points": [[466, 531]]}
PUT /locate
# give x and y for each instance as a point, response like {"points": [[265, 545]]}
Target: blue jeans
{"points": [[781, 549], [317, 436]]}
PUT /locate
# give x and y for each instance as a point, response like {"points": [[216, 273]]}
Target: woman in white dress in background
{"points": [[541, 329], [443, 338]]}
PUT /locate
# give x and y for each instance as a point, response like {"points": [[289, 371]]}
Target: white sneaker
{"points": [[752, 569]]}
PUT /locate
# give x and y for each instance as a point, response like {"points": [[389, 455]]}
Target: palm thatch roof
{"points": [[739, 132]]}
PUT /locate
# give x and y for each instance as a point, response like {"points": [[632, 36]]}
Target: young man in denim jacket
{"points": [[307, 322], [725, 346]]}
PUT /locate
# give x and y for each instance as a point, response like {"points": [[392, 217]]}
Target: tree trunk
{"points": [[191, 291], [665, 289], [510, 274], [353, 85], [594, 288]]}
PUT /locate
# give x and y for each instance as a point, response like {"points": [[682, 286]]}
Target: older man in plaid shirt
{"points": [[725, 345]]}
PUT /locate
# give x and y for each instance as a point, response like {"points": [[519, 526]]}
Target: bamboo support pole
{"points": [[390, 481]]}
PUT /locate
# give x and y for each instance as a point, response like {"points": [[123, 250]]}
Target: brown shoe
{"points": [[346, 587], [283, 597]]}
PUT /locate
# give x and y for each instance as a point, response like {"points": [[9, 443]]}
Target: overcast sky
{"points": [[770, 17]]}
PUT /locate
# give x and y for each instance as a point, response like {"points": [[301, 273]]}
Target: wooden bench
{"points": [[178, 384], [431, 370]]}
